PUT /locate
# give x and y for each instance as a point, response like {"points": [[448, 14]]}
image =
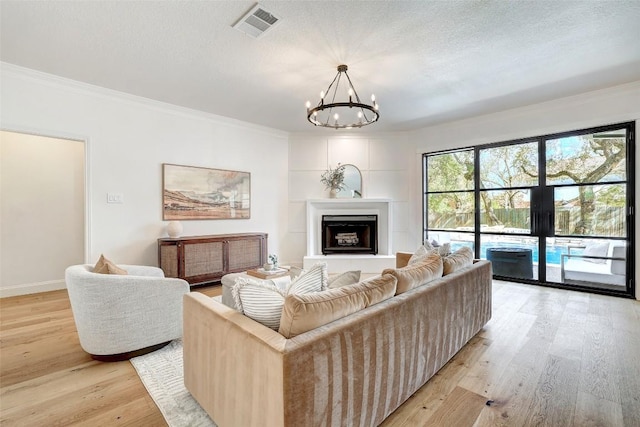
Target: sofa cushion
{"points": [[344, 279], [416, 274], [105, 266], [458, 260], [302, 313]]}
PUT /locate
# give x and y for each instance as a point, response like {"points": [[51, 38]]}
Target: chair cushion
{"points": [[458, 260], [599, 249], [417, 274], [302, 313], [105, 266]]}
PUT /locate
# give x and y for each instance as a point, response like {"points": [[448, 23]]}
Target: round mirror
{"points": [[352, 184]]}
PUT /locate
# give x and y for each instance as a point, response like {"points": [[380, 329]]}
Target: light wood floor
{"points": [[548, 357]]}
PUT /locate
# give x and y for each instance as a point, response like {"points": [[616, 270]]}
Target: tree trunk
{"points": [[488, 208]]}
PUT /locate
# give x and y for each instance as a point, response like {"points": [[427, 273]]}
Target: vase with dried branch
{"points": [[333, 180]]}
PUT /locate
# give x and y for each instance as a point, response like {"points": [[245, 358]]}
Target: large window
{"points": [[449, 199], [566, 196]]}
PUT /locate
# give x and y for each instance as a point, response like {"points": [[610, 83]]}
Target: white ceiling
{"points": [[426, 61]]}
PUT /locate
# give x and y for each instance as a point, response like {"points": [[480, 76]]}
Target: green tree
{"points": [[451, 174], [587, 159]]}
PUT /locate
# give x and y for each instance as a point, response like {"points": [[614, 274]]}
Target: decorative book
{"points": [[261, 273]]}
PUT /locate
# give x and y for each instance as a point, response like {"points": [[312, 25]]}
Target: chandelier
{"points": [[345, 114]]}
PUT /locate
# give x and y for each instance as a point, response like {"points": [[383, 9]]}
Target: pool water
{"points": [[553, 252]]}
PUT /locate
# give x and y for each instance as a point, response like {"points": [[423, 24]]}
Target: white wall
{"points": [[386, 161], [128, 138], [613, 105], [42, 209]]}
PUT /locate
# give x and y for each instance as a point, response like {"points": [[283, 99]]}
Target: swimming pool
{"points": [[553, 252]]}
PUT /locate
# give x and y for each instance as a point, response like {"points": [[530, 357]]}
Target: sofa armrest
{"points": [[233, 366], [402, 259]]}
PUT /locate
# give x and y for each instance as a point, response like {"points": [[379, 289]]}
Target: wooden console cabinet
{"points": [[204, 259]]}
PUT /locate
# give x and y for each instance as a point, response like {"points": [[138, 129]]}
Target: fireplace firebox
{"points": [[349, 234]]}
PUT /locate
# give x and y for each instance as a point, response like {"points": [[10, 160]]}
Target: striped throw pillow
{"points": [[312, 280], [262, 301]]}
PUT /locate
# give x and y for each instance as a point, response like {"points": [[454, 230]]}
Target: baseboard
{"points": [[31, 288]]}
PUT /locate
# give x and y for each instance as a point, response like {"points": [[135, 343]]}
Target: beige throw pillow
{"points": [[344, 279], [104, 266], [417, 274], [458, 260], [302, 313]]}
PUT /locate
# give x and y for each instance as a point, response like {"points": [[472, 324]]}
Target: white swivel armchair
{"points": [[122, 316]]}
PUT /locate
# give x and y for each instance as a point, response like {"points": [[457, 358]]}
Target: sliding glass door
{"points": [[553, 209]]}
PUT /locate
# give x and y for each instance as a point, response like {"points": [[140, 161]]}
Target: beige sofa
{"points": [[353, 371]]}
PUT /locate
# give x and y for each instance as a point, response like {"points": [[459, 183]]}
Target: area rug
{"points": [[162, 374]]}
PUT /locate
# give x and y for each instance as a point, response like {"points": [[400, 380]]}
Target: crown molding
{"points": [[63, 83]]}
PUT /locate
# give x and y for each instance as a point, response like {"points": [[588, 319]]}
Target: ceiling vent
{"points": [[256, 22]]}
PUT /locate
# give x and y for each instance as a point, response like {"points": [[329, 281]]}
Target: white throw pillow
{"points": [[421, 253], [444, 249], [427, 249]]}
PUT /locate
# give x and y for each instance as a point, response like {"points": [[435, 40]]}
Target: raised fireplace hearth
{"points": [[349, 234]]}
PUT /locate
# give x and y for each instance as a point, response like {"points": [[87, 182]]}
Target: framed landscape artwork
{"points": [[191, 192]]}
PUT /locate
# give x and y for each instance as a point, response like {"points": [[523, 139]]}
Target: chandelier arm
{"points": [[353, 88], [335, 89]]}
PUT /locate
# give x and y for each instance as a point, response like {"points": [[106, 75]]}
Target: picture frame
{"points": [[199, 193]]}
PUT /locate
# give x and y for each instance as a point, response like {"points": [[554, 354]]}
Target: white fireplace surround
{"points": [[338, 263]]}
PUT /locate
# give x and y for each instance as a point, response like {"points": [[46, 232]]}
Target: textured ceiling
{"points": [[426, 61]]}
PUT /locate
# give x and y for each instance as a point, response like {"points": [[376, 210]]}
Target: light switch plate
{"points": [[115, 198]]}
